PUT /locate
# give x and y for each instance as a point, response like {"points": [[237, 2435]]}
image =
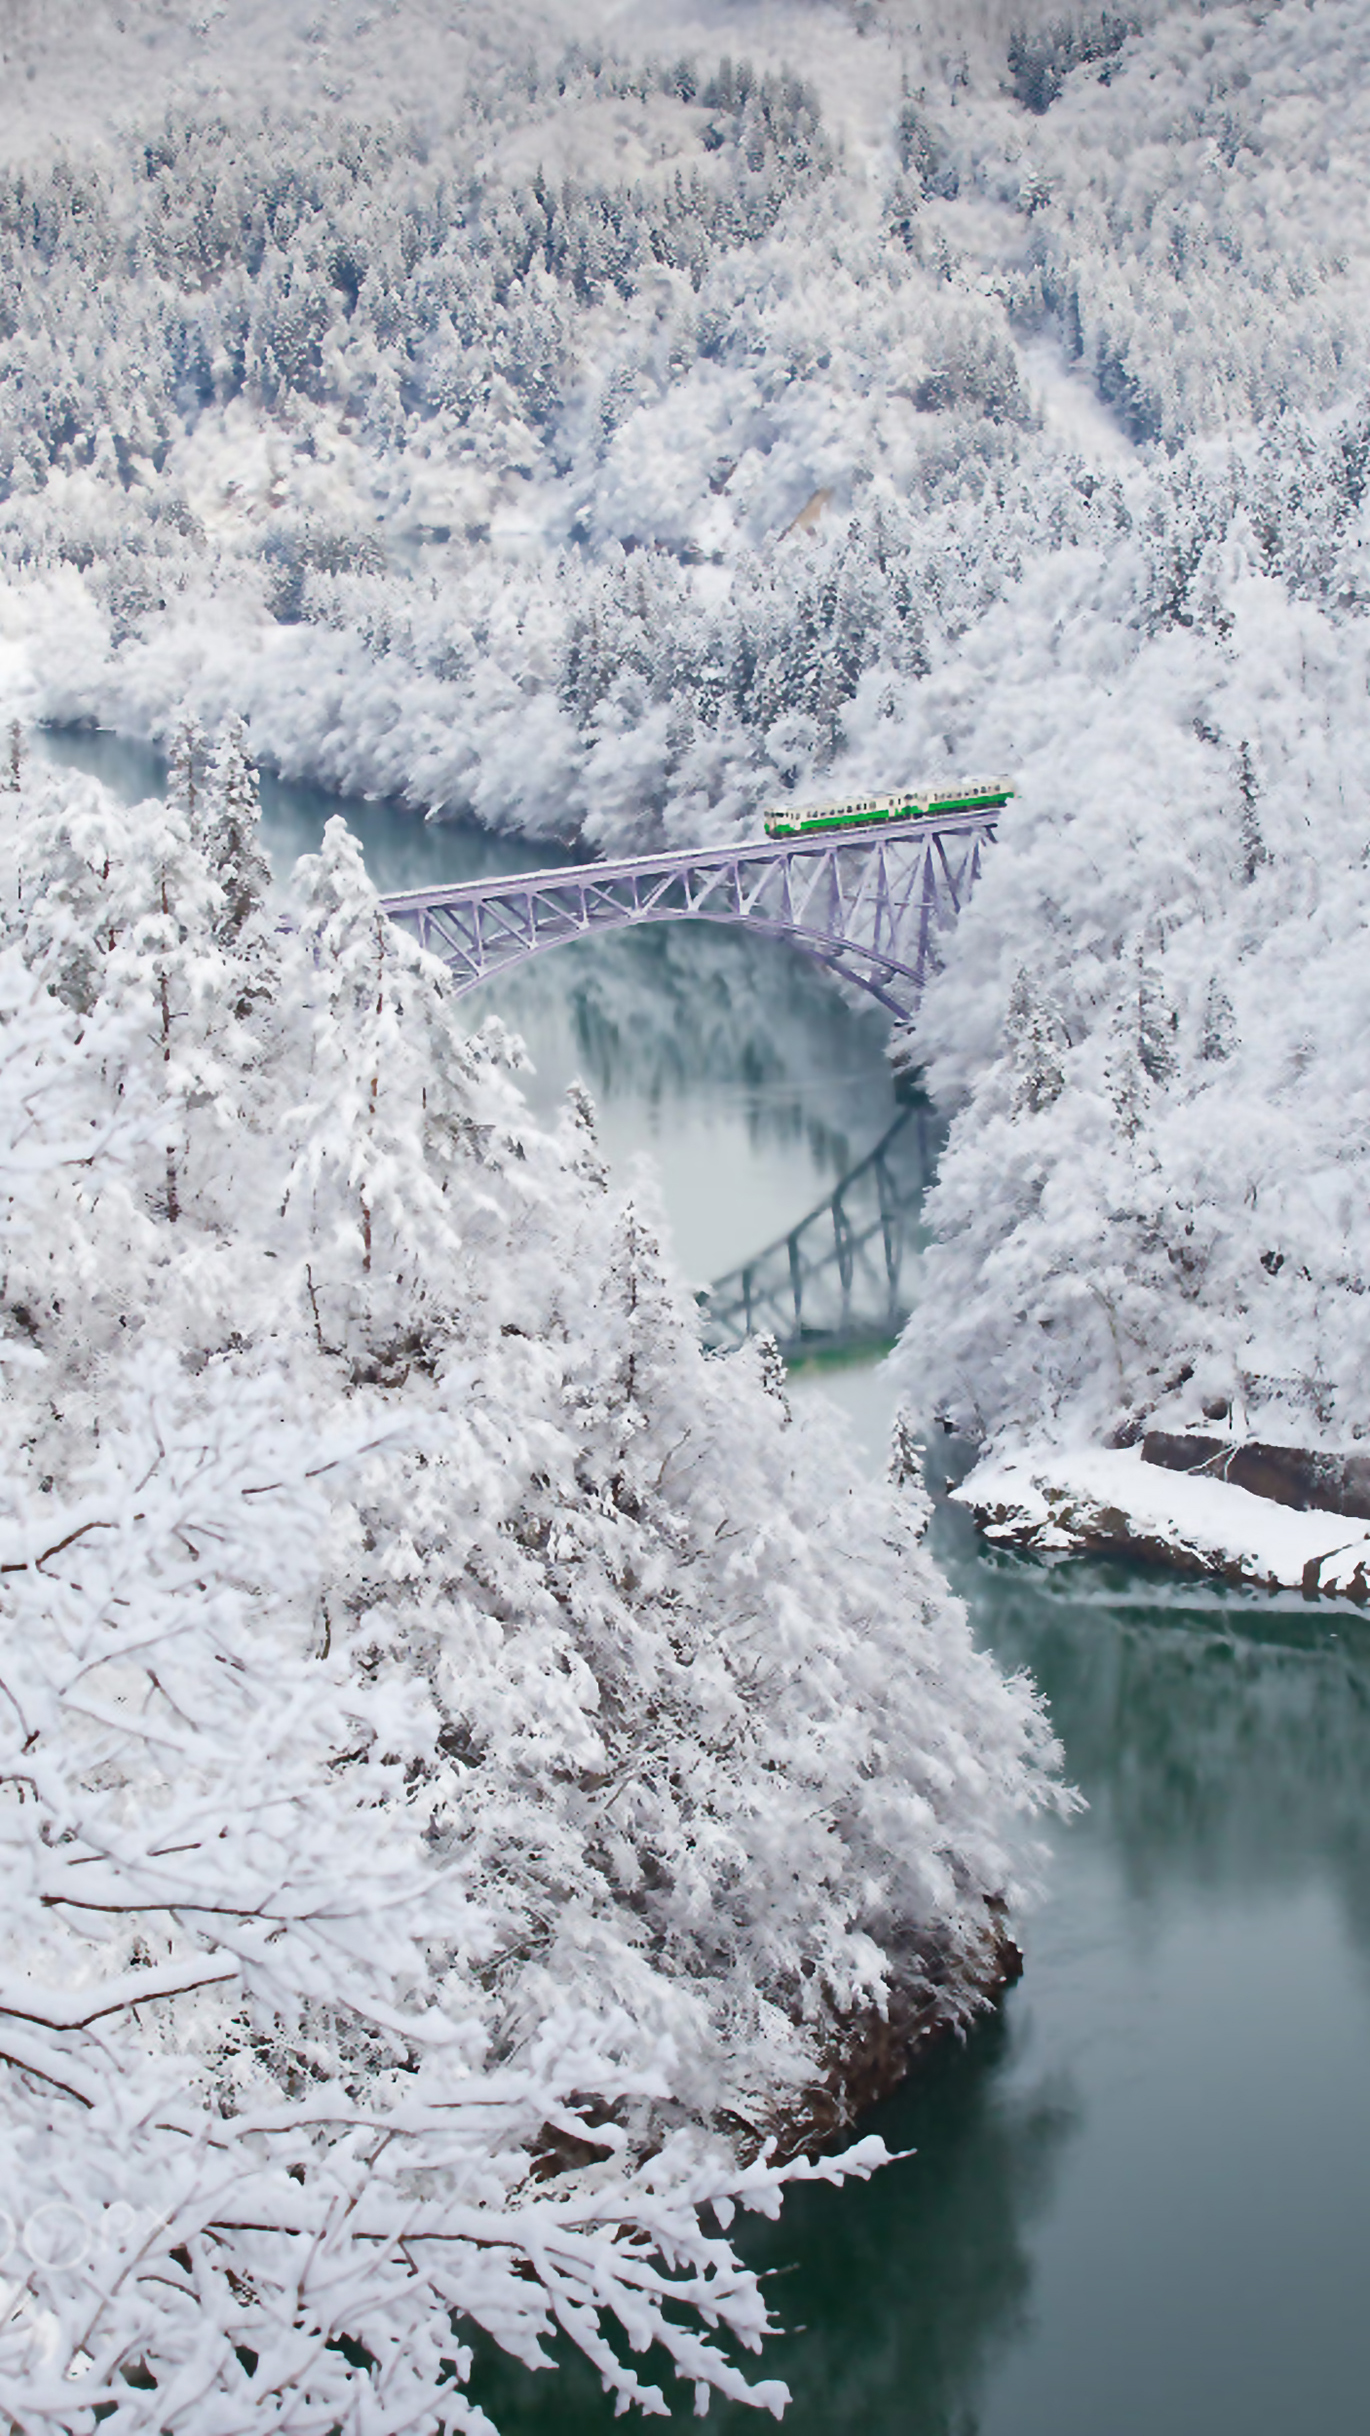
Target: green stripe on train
{"points": [[857, 816]]}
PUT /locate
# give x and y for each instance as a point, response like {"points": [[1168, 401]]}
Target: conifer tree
{"points": [[1157, 1023], [229, 819], [1035, 1036], [1219, 1035], [1253, 849]]}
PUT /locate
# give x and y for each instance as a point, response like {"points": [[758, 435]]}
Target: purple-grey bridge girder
{"points": [[869, 903]]}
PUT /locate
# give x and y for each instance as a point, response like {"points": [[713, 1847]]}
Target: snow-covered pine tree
{"points": [[229, 815], [1219, 1035], [1251, 843], [186, 760], [1036, 1038], [382, 1119], [434, 1771]]}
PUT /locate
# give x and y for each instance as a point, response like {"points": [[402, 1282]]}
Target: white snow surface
{"points": [[445, 1715], [1056, 1499], [603, 420]]}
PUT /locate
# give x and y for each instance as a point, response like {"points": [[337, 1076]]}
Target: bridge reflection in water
{"points": [[838, 1283]]}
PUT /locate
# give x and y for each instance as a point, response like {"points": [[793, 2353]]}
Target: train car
{"points": [[873, 811]]}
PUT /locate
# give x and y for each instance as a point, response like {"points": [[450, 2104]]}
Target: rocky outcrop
{"points": [[875, 2052], [870, 2055], [1287, 1475], [1181, 1508]]}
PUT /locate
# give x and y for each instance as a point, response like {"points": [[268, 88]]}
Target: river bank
{"points": [[1113, 1501]]}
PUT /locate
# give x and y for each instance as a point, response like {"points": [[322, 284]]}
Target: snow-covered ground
{"points": [[1100, 1498], [602, 420]]}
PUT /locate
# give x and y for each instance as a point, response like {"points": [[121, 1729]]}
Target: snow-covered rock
{"points": [[1057, 1500]]}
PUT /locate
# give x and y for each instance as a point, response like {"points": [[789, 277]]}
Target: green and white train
{"points": [[871, 811]]}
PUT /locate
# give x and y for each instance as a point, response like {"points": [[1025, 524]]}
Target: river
{"points": [[1140, 2199]]}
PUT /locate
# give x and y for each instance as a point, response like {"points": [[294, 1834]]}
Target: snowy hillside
{"points": [[604, 423], [473, 1765]]}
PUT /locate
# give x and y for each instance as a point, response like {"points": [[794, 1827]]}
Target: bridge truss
{"points": [[869, 904]]}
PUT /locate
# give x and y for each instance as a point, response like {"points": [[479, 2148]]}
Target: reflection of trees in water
{"points": [[908, 2290], [402, 849], [902, 2292], [694, 1009], [1220, 1740], [130, 770]]}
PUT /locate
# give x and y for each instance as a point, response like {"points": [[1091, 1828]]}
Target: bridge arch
{"points": [[869, 905]]}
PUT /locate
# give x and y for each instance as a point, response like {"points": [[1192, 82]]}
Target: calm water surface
{"points": [[1140, 2199]]}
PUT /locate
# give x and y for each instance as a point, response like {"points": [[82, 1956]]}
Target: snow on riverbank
{"points": [[1051, 1500]]}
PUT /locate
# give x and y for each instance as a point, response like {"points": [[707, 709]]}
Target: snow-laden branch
{"points": [[419, 1795], [54, 2010]]}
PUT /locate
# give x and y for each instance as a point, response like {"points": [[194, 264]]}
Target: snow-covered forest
{"points": [[472, 1765], [641, 429]]}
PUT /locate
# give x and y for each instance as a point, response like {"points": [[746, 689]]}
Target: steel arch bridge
{"points": [[869, 904]]}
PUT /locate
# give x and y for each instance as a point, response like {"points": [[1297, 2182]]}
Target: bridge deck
{"points": [[867, 903], [689, 858]]}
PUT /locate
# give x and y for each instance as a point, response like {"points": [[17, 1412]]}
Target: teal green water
{"points": [[1139, 2203], [1140, 2197]]}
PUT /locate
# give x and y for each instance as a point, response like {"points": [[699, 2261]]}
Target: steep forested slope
{"points": [[629, 434], [1154, 1202], [468, 1765]]}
